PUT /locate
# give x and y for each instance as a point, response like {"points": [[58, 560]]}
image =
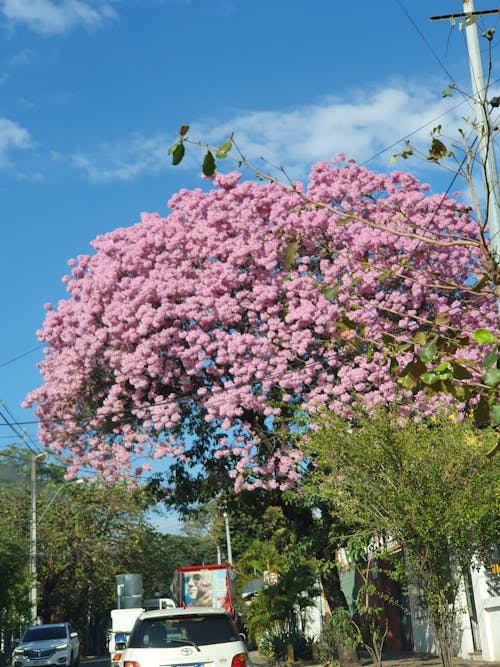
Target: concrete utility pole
{"points": [[33, 539], [34, 520], [479, 92], [228, 539]]}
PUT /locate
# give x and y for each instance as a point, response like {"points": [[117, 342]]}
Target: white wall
{"points": [[488, 613]]}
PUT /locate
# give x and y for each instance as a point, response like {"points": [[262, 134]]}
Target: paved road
{"points": [[102, 661], [403, 659]]}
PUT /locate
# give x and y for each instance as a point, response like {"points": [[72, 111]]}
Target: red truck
{"points": [[205, 586]]}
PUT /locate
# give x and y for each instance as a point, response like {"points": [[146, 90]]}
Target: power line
{"points": [[450, 78], [20, 356], [25, 436]]}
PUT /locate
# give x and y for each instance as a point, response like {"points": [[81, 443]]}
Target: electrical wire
{"points": [[414, 24], [20, 356], [25, 436]]}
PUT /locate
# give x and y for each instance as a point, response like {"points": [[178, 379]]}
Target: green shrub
{"points": [[274, 645]]}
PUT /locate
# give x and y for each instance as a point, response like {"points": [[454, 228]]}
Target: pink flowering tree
{"points": [[225, 324]]}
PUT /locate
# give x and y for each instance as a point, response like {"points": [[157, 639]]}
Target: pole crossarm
{"points": [[445, 17]]}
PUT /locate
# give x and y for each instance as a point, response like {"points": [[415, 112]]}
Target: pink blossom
{"points": [[199, 314]]}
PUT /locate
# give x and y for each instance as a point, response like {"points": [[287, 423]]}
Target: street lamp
{"points": [[34, 521]]}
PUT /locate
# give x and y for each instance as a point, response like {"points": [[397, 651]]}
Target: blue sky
{"points": [[92, 94]]}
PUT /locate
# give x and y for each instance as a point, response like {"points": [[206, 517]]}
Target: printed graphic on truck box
{"points": [[205, 586]]}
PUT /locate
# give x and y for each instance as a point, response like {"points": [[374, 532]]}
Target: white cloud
{"points": [[371, 125], [365, 128], [23, 57], [122, 160], [48, 17], [12, 137]]}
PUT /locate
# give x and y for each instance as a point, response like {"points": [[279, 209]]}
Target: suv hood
{"points": [[43, 644]]}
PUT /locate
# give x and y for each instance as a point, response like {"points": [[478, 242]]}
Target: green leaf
{"points": [[482, 411], [178, 153], [393, 366], [427, 352], [208, 166], [343, 221], [493, 450], [484, 336], [438, 150], [492, 377], [446, 93], [290, 254], [444, 367], [495, 414], [411, 373], [184, 130], [430, 378], [490, 359], [331, 293], [478, 286], [420, 338], [223, 150], [393, 158], [442, 319], [383, 275], [350, 324], [460, 372]]}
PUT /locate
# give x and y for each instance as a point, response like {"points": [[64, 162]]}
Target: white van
{"points": [[185, 637]]}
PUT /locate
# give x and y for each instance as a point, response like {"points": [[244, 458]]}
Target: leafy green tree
{"points": [[429, 486], [13, 565], [81, 542]]}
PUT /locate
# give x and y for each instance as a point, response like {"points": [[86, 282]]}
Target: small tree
{"points": [[276, 615], [428, 486], [365, 623]]}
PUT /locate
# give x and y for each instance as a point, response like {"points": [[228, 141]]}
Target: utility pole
{"points": [[228, 539], [33, 539], [34, 520], [485, 145]]}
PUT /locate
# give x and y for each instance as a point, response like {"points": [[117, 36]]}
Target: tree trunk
{"points": [[444, 644], [336, 599]]}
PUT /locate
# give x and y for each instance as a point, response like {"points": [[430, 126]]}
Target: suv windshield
{"points": [[173, 631], [39, 634]]}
